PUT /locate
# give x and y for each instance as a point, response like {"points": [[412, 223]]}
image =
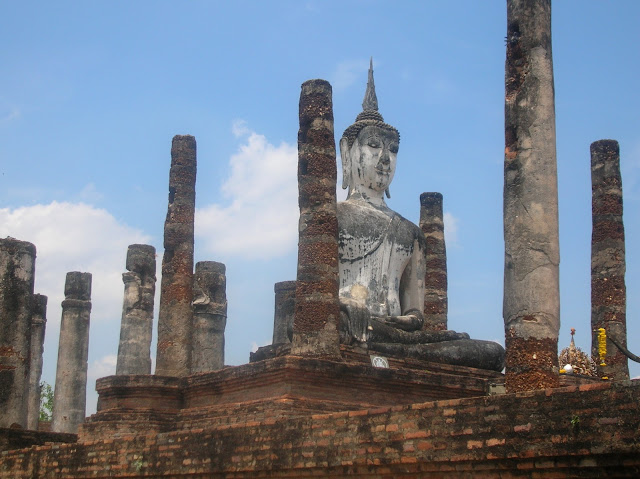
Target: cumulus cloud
{"points": [[259, 218], [450, 229], [74, 237]]}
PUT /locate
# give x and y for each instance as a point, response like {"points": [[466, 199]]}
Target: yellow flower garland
{"points": [[602, 345]]}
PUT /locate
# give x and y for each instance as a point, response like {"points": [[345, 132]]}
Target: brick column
{"points": [[531, 306], [17, 272], [608, 291], [317, 311], [134, 349], [209, 316], [70, 396], [435, 281], [38, 326], [285, 305], [176, 287]]}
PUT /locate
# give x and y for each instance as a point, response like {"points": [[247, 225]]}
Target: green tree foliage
{"points": [[46, 401]]}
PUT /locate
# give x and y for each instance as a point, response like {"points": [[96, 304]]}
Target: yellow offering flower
{"points": [[602, 345]]}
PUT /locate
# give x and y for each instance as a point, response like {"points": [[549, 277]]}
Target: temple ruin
{"points": [[363, 377]]}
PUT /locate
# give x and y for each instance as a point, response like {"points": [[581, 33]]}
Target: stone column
{"points": [[435, 281], [285, 305], [315, 326], [176, 287], [531, 306], [209, 316], [38, 326], [70, 396], [17, 272], [608, 291], [134, 350]]}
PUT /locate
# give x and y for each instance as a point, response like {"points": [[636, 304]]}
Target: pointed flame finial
{"points": [[370, 101]]}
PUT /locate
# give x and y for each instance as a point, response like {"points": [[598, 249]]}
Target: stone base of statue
{"points": [[281, 386]]}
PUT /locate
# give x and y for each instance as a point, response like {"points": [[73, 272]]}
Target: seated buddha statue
{"points": [[382, 257]]}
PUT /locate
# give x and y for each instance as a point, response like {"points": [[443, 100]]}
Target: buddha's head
{"points": [[369, 149]]}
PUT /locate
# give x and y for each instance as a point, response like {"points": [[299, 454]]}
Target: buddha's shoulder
{"points": [[408, 228], [356, 216]]}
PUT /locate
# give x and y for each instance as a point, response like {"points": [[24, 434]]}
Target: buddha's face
{"points": [[373, 158]]}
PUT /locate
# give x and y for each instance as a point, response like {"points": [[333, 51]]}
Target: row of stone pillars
{"points": [[191, 326], [23, 317], [193, 307]]}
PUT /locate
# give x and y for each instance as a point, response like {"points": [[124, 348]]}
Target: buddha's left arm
{"points": [[412, 287]]}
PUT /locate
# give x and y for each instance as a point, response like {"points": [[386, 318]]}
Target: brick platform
{"points": [[580, 431], [283, 386]]}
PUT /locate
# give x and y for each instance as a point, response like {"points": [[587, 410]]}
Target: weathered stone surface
{"points": [[38, 326], [134, 349], [69, 400], [382, 255], [435, 281], [531, 306], [17, 270], [209, 316], [285, 304], [461, 352], [315, 326], [608, 267], [176, 287]]}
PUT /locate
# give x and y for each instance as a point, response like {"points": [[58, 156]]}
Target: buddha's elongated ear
{"points": [[386, 192], [346, 163]]}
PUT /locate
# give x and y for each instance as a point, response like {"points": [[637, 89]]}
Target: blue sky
{"points": [[91, 94]]}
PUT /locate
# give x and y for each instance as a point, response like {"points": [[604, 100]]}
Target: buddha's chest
{"points": [[374, 252]]}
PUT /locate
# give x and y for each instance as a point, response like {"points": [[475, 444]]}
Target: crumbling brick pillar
{"points": [[134, 349], [209, 316], [176, 287], [608, 291], [317, 310], [531, 307], [435, 281], [38, 326], [285, 305], [17, 274], [69, 399]]}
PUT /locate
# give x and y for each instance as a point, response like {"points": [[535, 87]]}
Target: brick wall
{"points": [[590, 430]]}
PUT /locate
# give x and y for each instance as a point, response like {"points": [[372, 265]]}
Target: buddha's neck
{"points": [[368, 195]]}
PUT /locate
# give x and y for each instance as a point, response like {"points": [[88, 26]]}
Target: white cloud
{"points": [[90, 194], [260, 217], [450, 229], [74, 237], [239, 128], [105, 366], [348, 72]]}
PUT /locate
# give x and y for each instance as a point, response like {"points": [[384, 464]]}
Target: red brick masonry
{"points": [[581, 431]]}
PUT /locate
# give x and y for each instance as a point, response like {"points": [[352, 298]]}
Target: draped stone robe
{"points": [[382, 259]]}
